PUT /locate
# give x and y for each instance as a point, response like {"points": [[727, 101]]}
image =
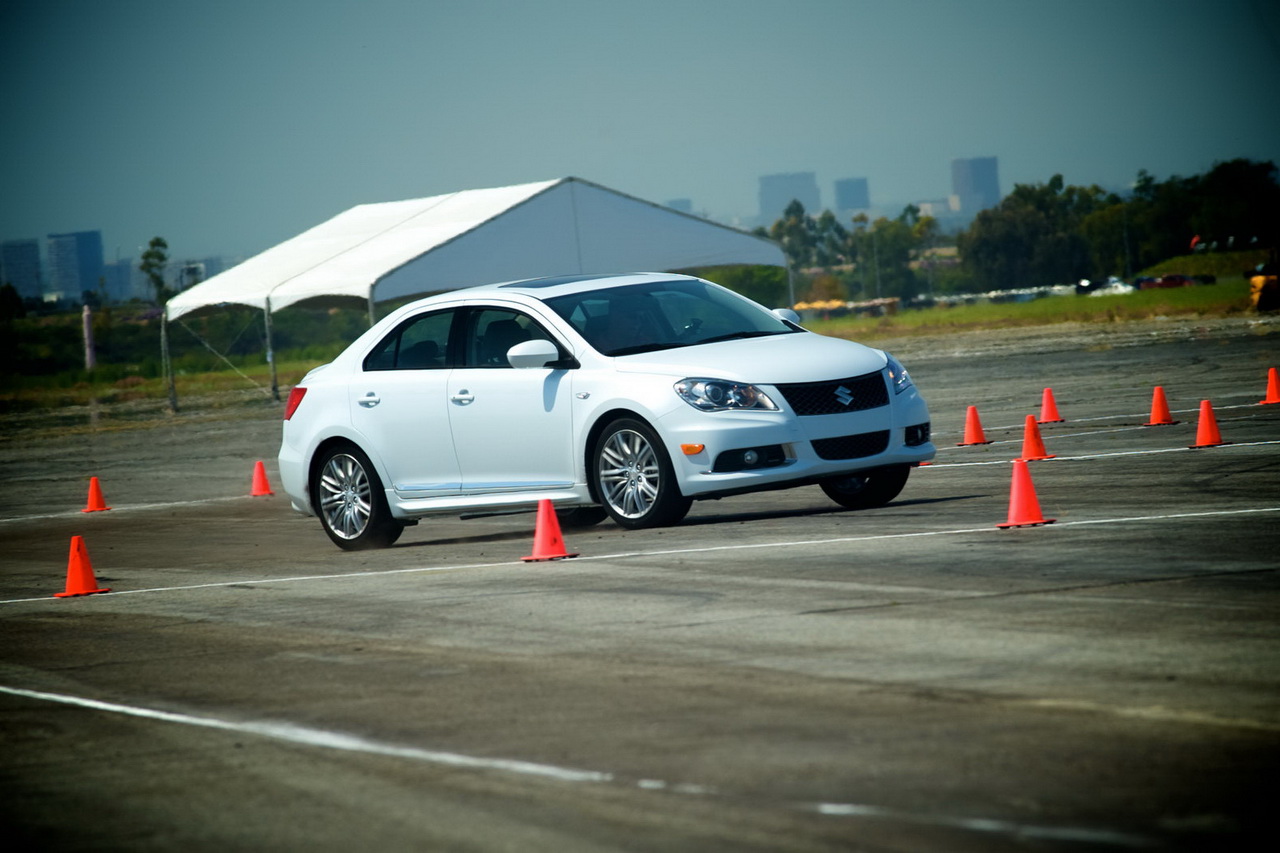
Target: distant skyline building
{"points": [[778, 191], [75, 264], [852, 194], [976, 183], [124, 281], [20, 267]]}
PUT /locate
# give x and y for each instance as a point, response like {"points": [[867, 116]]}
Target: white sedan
{"points": [[627, 395]]}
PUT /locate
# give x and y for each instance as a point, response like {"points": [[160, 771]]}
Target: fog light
{"points": [[750, 457]]}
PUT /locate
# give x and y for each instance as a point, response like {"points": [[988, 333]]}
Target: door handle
{"points": [[463, 397], [370, 400]]}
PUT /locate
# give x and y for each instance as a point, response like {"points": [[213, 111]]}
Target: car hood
{"points": [[801, 357]]}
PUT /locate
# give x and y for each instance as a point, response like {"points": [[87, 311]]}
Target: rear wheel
{"points": [[633, 477], [867, 489], [350, 502]]}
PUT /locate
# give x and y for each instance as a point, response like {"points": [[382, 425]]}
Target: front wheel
{"points": [[351, 504], [634, 479], [868, 489]]}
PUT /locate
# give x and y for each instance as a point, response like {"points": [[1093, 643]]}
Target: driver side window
{"points": [[493, 331]]}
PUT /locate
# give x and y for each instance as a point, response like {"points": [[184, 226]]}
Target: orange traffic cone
{"points": [[1273, 389], [1207, 434], [1049, 409], [973, 433], [548, 544], [80, 580], [260, 485], [1024, 509], [1032, 444], [1159, 409], [96, 503]]}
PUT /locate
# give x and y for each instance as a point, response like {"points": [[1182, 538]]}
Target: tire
{"points": [[348, 497], [868, 489], [581, 516], [633, 477]]}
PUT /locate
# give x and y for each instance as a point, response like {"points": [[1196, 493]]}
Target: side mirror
{"points": [[533, 354], [787, 314]]}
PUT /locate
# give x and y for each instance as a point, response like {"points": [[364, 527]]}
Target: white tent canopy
{"points": [[395, 249]]}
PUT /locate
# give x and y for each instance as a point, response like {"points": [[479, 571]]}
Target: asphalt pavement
{"points": [[773, 674]]}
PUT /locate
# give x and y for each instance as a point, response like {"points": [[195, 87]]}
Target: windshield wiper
{"points": [[613, 353], [735, 336]]}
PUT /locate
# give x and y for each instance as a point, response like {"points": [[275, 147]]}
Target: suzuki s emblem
{"points": [[844, 395]]}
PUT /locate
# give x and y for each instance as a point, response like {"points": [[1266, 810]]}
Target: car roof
{"points": [[539, 289], [546, 288]]}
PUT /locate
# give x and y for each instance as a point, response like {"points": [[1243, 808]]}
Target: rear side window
{"points": [[421, 343]]}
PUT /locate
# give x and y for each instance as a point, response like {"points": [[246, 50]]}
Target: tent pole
{"points": [[166, 363], [271, 355]]}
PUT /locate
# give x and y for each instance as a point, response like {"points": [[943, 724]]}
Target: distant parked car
{"points": [[1171, 280], [628, 396]]}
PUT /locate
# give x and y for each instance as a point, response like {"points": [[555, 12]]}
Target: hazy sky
{"points": [[229, 126]]}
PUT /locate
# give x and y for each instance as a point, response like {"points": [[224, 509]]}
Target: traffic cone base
{"points": [[1207, 434], [1160, 409], [1032, 444], [80, 580], [1273, 388], [548, 544], [96, 503], [1024, 508], [973, 433], [1049, 409], [260, 485]]}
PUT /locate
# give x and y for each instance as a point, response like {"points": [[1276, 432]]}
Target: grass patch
{"points": [[1228, 297], [93, 389]]}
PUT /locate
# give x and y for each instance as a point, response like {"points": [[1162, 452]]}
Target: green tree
{"points": [[883, 252], [11, 305], [153, 263], [796, 233], [1034, 236]]}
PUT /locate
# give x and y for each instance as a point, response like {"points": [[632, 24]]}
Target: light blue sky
{"points": [[229, 126]]}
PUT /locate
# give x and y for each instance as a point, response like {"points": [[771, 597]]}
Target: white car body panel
{"points": [[461, 440]]}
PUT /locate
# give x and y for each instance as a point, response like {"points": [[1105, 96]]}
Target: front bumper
{"points": [[753, 451]]}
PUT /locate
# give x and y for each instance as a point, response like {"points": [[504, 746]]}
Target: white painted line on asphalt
{"points": [[622, 555], [1059, 458], [1157, 713], [291, 579], [309, 736], [77, 513], [881, 536], [989, 825], [1193, 412]]}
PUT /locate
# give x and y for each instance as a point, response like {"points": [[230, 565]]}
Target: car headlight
{"points": [[899, 379], [718, 395]]}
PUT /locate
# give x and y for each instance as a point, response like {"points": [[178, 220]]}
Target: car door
{"points": [[399, 403], [513, 429]]}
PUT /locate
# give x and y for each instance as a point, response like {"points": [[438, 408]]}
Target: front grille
{"points": [[841, 395], [852, 446]]}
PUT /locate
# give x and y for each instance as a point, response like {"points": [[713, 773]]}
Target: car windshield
{"points": [[663, 315]]}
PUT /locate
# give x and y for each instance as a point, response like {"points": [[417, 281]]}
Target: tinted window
{"points": [[493, 331], [421, 343], [663, 315]]}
